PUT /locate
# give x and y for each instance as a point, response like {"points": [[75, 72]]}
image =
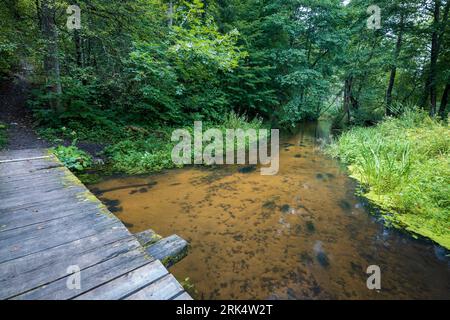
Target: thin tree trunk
{"points": [[51, 59], [390, 88], [78, 47], [170, 14], [38, 14], [434, 57], [444, 102], [436, 39], [348, 97]]}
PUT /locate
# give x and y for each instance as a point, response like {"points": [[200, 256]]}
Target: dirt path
{"points": [[15, 114], [19, 120]]}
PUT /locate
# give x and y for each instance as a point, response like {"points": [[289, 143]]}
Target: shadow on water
{"points": [[301, 234]]}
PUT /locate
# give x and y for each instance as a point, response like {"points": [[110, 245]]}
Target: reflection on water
{"points": [[301, 234]]}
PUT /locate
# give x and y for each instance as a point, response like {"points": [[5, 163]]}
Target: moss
{"points": [[171, 260], [189, 287]]}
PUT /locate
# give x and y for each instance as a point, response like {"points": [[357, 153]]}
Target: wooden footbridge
{"points": [[57, 241]]}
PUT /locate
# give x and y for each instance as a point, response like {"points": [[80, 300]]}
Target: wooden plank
{"points": [[21, 201], [13, 249], [46, 202], [25, 159], [51, 272], [14, 168], [147, 237], [29, 217], [28, 177], [127, 284], [183, 296], [163, 289], [56, 225], [23, 188], [169, 250], [90, 277], [50, 221], [40, 260], [25, 153]]}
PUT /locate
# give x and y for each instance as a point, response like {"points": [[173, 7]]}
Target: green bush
{"points": [[3, 137], [152, 152], [404, 165], [73, 158]]}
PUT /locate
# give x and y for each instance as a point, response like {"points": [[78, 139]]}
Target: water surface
{"points": [[301, 234]]}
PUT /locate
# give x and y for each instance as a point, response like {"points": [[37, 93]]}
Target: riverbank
{"points": [[300, 234], [403, 166]]}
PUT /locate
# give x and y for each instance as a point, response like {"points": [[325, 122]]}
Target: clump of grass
{"points": [[3, 137], [404, 166]]}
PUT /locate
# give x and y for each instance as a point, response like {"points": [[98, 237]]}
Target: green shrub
{"points": [[3, 137], [152, 152], [73, 158], [404, 165]]}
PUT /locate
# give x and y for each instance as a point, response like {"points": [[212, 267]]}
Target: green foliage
{"points": [[3, 137], [152, 152], [73, 158], [141, 156], [404, 164]]}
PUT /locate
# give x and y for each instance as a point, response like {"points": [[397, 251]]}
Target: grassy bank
{"points": [[404, 167]]}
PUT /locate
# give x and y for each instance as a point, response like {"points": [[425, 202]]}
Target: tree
{"points": [[51, 56]]}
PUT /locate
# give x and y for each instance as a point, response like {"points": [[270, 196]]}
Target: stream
{"points": [[301, 234]]}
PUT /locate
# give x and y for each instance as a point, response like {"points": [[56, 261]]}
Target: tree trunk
{"points": [[78, 48], [348, 97], [436, 39], [51, 59], [434, 56], [390, 87], [444, 102], [170, 14], [38, 14]]}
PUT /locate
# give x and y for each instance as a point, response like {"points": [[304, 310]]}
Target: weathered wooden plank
{"points": [[10, 250], [49, 221], [37, 261], [24, 153], [127, 284], [30, 176], [147, 237], [162, 289], [77, 197], [56, 225], [170, 250], [58, 269], [29, 217], [14, 168], [90, 278], [183, 296], [25, 200], [93, 273], [24, 188]]}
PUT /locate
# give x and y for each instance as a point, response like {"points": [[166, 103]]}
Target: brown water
{"points": [[301, 234]]}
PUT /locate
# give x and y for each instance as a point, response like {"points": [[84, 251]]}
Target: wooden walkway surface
{"points": [[50, 224]]}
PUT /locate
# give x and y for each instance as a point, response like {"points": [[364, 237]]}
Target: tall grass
{"points": [[404, 165]]}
